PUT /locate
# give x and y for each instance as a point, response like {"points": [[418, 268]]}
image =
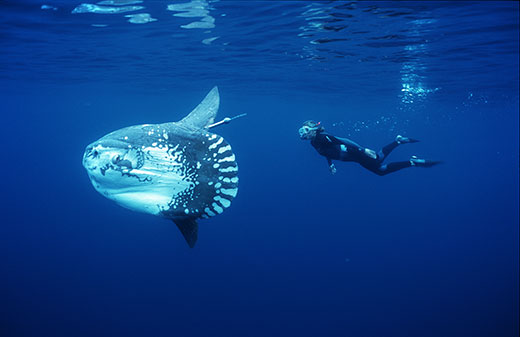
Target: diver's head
{"points": [[309, 129]]}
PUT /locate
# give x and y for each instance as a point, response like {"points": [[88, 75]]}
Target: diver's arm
{"points": [[348, 145], [332, 167], [341, 141], [353, 145], [345, 141]]}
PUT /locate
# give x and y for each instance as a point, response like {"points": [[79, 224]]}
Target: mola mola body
{"points": [[177, 170]]}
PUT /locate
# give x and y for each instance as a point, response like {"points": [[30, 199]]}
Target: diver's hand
{"points": [[332, 169]]}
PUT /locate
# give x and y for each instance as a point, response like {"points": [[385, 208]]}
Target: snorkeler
{"points": [[335, 148]]}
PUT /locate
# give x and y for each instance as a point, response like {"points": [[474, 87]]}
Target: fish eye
{"points": [[116, 159]]}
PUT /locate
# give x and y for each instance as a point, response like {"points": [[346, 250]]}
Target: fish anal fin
{"points": [[189, 229]]}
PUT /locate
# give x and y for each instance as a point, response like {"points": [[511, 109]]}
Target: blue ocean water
{"points": [[300, 252]]}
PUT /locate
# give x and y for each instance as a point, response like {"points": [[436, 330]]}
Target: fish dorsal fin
{"points": [[204, 114], [189, 230]]}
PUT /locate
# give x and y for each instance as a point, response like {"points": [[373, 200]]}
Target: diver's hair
{"points": [[313, 125]]}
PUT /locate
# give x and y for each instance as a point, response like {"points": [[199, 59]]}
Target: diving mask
{"points": [[304, 132]]}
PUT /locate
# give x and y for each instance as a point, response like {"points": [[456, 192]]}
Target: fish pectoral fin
{"points": [[189, 230]]}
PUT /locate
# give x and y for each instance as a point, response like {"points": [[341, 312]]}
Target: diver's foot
{"points": [[414, 161], [405, 140]]}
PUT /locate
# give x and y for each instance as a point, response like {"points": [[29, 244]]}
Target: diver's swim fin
{"points": [[405, 140], [189, 230], [414, 161]]}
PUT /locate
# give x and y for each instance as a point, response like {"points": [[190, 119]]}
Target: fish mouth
{"points": [[89, 154], [88, 165]]}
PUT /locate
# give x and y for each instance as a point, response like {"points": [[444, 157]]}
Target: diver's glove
{"points": [[332, 169]]}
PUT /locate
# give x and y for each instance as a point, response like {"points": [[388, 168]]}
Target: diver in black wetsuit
{"points": [[335, 148]]}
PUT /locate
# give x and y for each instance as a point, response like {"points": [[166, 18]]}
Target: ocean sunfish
{"points": [[177, 170]]}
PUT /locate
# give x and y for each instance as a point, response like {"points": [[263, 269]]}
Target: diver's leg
{"points": [[375, 166], [396, 166], [385, 151], [391, 167], [423, 162]]}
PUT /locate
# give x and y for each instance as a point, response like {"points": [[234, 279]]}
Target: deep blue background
{"points": [[422, 252]]}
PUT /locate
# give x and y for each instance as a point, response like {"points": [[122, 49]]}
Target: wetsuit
{"points": [[335, 148]]}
